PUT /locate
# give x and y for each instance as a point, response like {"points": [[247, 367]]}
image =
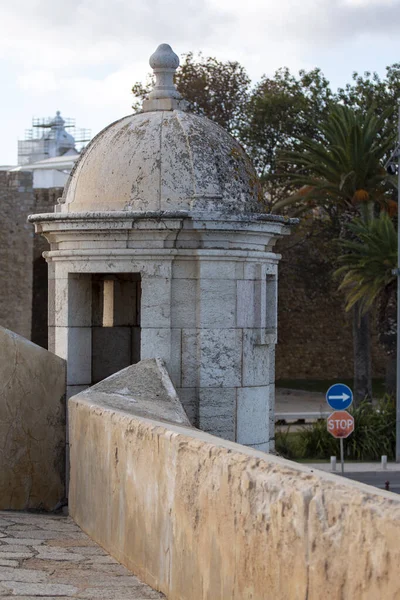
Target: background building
{"points": [[45, 159]]}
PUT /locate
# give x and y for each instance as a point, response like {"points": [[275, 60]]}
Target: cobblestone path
{"points": [[45, 556]]}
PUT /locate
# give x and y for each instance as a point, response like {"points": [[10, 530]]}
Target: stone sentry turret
{"points": [[161, 248]]}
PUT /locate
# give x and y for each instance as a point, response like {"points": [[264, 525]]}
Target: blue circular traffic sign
{"points": [[339, 396]]}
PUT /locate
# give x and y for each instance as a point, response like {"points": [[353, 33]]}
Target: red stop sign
{"points": [[340, 424]]}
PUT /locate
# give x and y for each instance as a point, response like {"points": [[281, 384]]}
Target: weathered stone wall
{"points": [[314, 331], [204, 519], [16, 247], [32, 425], [23, 290]]}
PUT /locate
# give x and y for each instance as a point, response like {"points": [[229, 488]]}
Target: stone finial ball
{"points": [[164, 58]]}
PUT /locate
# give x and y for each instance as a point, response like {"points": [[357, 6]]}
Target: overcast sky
{"points": [[82, 56]]}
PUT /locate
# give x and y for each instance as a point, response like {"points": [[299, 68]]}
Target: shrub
{"points": [[374, 434], [286, 444]]}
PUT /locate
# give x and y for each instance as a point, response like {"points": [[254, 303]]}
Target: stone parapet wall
{"points": [[32, 425], [199, 518]]}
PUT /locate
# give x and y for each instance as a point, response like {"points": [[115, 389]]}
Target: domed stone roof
{"points": [[163, 158]]}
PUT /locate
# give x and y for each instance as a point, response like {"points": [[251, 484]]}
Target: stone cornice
{"points": [[159, 215]]}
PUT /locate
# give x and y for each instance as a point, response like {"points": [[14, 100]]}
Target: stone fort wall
{"points": [[315, 338], [16, 251], [23, 270]]}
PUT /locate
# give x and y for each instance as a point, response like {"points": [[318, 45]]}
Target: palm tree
{"points": [[367, 272], [343, 175], [344, 172]]}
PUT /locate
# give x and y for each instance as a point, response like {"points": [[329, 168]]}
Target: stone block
{"points": [[271, 416], [253, 415], [189, 398], [70, 302], [79, 361], [32, 425], [220, 357], [156, 302], [245, 316], [252, 270], [271, 302], [51, 339], [185, 269], [60, 303], [218, 269], [266, 447], [155, 343], [260, 305], [217, 303], [217, 412], [175, 363], [144, 389], [272, 363], [79, 301], [51, 302], [61, 342], [189, 354], [256, 360], [183, 302]]}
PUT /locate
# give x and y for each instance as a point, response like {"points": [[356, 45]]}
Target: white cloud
{"points": [[82, 56]]}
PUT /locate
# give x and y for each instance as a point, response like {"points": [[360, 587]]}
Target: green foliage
{"points": [[317, 443], [374, 434], [342, 167], [287, 444], [280, 110], [368, 262], [370, 90], [218, 90]]}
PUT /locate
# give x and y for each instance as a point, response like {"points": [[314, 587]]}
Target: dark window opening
{"points": [[115, 323]]}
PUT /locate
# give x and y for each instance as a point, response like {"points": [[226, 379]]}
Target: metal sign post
{"points": [[340, 423], [341, 454]]}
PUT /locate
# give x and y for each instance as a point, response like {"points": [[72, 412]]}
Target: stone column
{"points": [[70, 322]]}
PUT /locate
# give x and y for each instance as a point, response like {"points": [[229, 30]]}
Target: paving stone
{"points": [[14, 548], [22, 541], [87, 551], [75, 543], [25, 575], [40, 535], [41, 589], [104, 560], [15, 555], [43, 556], [4, 562], [51, 555]]}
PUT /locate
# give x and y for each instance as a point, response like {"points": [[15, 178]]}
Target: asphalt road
{"points": [[377, 479]]}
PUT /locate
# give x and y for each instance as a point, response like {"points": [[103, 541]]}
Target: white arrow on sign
{"points": [[343, 397]]}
